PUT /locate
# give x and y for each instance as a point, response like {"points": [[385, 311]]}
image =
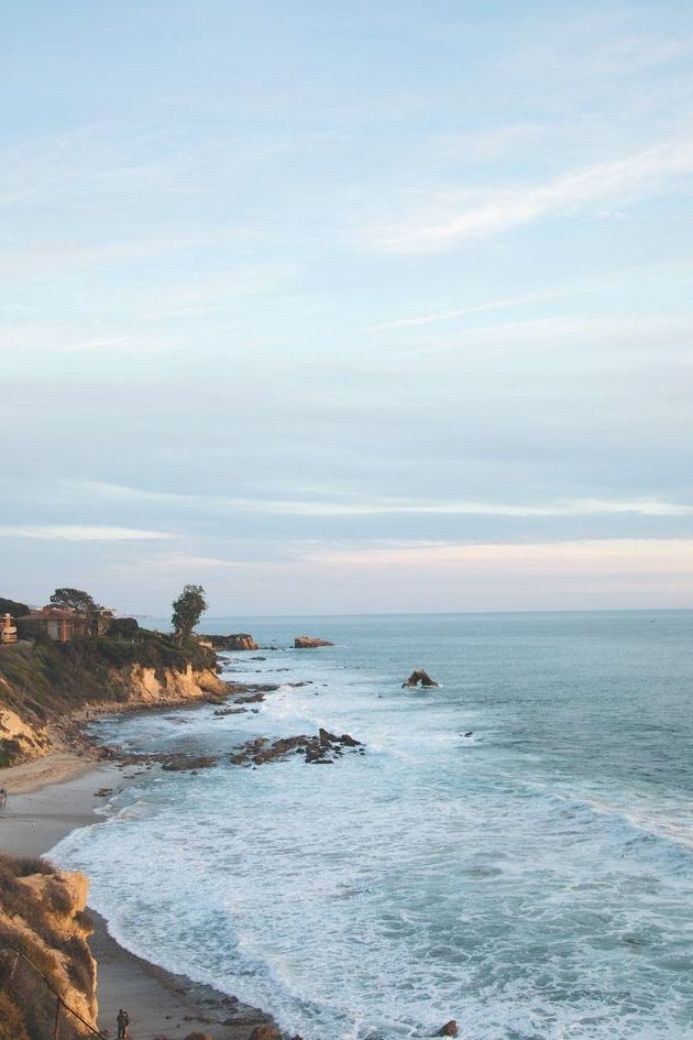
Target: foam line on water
{"points": [[509, 888]]}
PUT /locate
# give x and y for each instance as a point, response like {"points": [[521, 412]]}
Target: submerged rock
{"points": [[419, 677], [309, 642], [181, 762]]}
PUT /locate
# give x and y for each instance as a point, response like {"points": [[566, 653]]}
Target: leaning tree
{"points": [[187, 610]]}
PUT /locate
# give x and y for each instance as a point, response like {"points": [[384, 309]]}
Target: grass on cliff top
{"points": [[49, 679]]}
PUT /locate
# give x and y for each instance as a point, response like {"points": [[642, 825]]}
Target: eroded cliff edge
{"points": [[44, 684], [45, 961]]}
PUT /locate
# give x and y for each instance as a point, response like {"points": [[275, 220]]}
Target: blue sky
{"points": [[360, 307]]}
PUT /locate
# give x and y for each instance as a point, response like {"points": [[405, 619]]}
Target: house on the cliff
{"points": [[8, 629], [61, 624]]}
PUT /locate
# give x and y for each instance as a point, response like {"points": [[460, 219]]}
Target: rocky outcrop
{"points": [[18, 739], [309, 643], [419, 678], [42, 690], [234, 641], [44, 950], [321, 749], [250, 693], [157, 686]]}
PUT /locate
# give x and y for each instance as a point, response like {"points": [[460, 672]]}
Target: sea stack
{"points": [[419, 678]]}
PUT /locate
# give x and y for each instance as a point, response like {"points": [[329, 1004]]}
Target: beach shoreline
{"points": [[49, 798]]}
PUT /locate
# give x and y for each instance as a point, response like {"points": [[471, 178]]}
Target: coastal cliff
{"points": [[45, 961], [43, 685]]}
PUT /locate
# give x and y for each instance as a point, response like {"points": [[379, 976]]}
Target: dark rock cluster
{"points": [[179, 763], [322, 749]]}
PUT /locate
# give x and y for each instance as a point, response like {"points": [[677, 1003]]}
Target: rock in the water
{"points": [[322, 749], [309, 642], [179, 762], [449, 1029], [419, 677], [349, 741], [234, 641], [266, 1031]]}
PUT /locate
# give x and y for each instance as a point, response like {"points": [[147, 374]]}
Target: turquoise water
{"points": [[533, 880]]}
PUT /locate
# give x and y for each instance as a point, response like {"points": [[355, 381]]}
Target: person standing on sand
{"points": [[123, 1021]]}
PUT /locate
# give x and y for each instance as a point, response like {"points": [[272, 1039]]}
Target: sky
{"points": [[347, 308]]}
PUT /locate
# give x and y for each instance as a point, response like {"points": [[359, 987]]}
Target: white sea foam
{"points": [[511, 888]]}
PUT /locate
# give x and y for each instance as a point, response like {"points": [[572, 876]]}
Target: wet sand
{"points": [[50, 797], [51, 769]]}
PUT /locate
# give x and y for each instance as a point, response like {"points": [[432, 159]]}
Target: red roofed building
{"points": [[61, 624]]}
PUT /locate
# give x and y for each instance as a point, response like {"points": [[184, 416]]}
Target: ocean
{"points": [[532, 880]]}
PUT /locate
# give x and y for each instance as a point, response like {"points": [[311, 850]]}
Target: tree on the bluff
{"points": [[75, 599], [187, 610]]}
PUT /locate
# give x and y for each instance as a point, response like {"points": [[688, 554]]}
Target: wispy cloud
{"points": [[51, 256], [354, 506], [576, 507], [462, 312], [482, 214], [30, 336], [556, 559], [597, 336], [81, 533]]}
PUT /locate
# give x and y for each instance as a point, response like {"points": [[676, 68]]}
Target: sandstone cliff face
{"points": [[25, 736], [18, 739], [147, 686], [44, 950]]}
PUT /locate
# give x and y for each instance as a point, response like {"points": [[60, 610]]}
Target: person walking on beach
{"points": [[123, 1021], [3, 797]]}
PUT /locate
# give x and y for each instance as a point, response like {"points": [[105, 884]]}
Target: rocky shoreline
{"points": [[184, 1010], [180, 1003], [232, 698]]}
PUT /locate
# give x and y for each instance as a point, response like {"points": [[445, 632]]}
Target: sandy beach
{"points": [[50, 797]]}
